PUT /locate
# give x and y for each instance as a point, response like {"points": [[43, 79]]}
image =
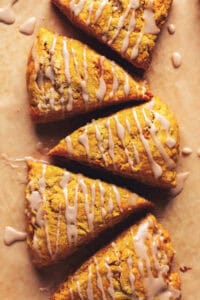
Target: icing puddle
{"points": [[12, 235], [7, 15]]}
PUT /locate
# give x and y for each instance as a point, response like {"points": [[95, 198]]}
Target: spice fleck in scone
{"points": [[66, 210], [140, 142], [129, 27], [65, 77], [137, 265]]}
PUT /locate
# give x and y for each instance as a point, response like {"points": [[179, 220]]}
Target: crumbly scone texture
{"points": [[137, 265], [65, 210], [129, 27], [65, 77], [140, 142]]}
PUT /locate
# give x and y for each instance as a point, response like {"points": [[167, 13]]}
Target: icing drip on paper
{"points": [[176, 59], [7, 15], [186, 151], [12, 235], [28, 26], [171, 28]]}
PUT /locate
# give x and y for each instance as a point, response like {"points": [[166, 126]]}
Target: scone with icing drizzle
{"points": [[65, 210], [130, 27], [140, 142], [137, 266], [65, 77]]}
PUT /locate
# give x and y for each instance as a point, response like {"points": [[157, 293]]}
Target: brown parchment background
{"points": [[180, 88]]}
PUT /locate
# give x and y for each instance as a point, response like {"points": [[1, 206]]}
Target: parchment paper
{"points": [[19, 137]]}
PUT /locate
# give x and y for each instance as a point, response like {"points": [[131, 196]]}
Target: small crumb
{"points": [[185, 269], [186, 151]]}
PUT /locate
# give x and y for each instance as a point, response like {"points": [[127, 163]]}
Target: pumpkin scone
{"points": [[137, 265], [140, 142], [65, 77], [65, 210], [130, 27]]}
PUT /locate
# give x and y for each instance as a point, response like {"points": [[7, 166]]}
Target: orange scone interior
{"points": [[65, 77], [65, 210], [137, 265], [130, 27], [140, 142]]}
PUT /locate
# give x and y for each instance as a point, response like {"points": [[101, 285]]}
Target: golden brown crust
{"points": [[66, 210], [140, 143], [66, 78], [137, 265], [105, 27]]}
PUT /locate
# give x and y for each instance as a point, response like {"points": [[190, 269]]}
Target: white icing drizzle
{"points": [[111, 144], [102, 198], [150, 24], [89, 289], [90, 215], [131, 276], [186, 151], [118, 197], [69, 144], [171, 28], [77, 7], [135, 50], [99, 279], [100, 143], [176, 59], [115, 84], [52, 98], [71, 294], [110, 204], [83, 81], [154, 286], [12, 235], [121, 135], [111, 290], [90, 12], [104, 37], [181, 178], [135, 152], [157, 170], [28, 26], [127, 85], [7, 15], [102, 85], [71, 210], [131, 26], [67, 73], [79, 289], [58, 231], [35, 200], [100, 10], [152, 129], [133, 4], [48, 237], [83, 140], [170, 142]]}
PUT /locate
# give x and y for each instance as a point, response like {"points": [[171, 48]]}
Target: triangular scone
{"points": [[66, 210], [141, 142], [65, 77], [129, 27], [137, 265]]}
